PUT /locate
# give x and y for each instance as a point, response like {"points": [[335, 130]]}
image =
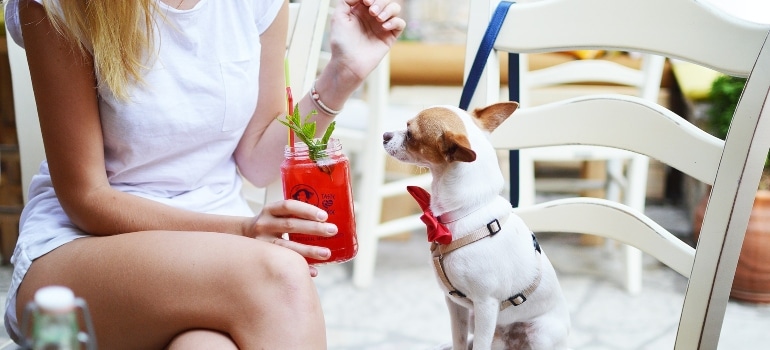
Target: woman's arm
{"points": [[260, 150], [65, 92], [361, 33]]}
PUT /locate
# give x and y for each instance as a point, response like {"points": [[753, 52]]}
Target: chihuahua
{"points": [[501, 290]]}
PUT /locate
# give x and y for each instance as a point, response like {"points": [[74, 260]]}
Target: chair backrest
{"points": [[606, 76], [733, 167], [306, 22], [645, 79], [31, 152]]}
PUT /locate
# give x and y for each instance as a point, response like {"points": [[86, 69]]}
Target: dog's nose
{"points": [[387, 136]]}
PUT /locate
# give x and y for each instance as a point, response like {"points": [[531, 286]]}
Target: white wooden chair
{"points": [[374, 186], [627, 186], [626, 172], [707, 37], [31, 152]]}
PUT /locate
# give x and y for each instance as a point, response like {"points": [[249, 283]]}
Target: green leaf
{"points": [[328, 133], [306, 130]]}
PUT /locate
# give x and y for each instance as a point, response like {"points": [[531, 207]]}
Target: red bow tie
{"points": [[437, 232]]}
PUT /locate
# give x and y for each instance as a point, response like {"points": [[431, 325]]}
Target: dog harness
{"points": [[440, 246]]}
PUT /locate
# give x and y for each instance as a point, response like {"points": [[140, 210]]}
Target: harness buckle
{"points": [[517, 299], [494, 227]]}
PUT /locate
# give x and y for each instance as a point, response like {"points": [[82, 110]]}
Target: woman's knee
{"points": [[278, 297], [284, 278]]}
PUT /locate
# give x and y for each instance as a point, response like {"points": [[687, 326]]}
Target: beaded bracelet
{"points": [[317, 101]]}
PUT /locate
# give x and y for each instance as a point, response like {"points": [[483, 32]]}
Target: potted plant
{"points": [[752, 275]]}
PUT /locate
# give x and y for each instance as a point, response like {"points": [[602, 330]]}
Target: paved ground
{"points": [[404, 308]]}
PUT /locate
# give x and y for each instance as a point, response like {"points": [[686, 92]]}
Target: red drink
{"points": [[324, 183]]}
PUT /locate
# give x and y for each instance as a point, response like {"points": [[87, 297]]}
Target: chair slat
{"points": [[594, 29], [636, 125], [612, 220]]}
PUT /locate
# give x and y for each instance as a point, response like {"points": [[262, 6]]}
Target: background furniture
{"points": [[626, 172], [31, 151], [11, 199], [360, 127], [732, 166]]}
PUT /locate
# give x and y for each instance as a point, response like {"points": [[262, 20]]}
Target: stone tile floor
{"points": [[404, 309]]}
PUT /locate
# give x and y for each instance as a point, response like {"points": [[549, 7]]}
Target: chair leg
{"points": [[633, 264], [364, 263], [634, 197], [369, 217], [526, 179], [373, 177]]}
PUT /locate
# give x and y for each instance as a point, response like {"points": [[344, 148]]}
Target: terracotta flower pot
{"points": [[752, 275]]}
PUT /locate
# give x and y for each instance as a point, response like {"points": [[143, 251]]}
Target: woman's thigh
{"points": [[145, 288]]}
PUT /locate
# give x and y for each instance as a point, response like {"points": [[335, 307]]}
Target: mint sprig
{"points": [[305, 131]]}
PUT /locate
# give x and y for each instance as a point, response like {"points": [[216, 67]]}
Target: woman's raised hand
{"points": [[362, 32]]}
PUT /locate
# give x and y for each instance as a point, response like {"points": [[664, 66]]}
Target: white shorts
{"points": [[43, 227]]}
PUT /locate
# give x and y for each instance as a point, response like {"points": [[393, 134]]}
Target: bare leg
{"points": [[144, 289]]}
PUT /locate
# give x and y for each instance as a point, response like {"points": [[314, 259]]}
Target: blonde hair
{"points": [[119, 34]]}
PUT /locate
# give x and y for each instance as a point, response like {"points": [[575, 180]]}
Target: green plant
{"points": [[725, 93], [306, 132]]}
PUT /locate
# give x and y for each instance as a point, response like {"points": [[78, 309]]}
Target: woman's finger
{"points": [[295, 208], [308, 251], [294, 216], [290, 216], [384, 10]]}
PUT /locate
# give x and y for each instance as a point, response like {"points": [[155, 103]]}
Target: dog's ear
{"points": [[490, 117], [457, 148]]}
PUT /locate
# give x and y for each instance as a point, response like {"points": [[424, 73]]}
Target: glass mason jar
{"points": [[325, 183], [53, 314]]}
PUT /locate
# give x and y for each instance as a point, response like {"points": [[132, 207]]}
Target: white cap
{"points": [[55, 299]]}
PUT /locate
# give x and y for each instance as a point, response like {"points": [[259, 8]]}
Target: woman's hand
{"points": [[362, 32], [293, 217]]}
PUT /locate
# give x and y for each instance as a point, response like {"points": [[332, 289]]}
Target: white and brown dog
{"points": [[499, 284]]}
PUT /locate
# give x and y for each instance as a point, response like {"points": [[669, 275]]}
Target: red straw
{"points": [[290, 101], [289, 98]]}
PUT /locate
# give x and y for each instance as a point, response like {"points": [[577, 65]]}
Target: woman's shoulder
{"points": [[265, 12], [12, 21]]}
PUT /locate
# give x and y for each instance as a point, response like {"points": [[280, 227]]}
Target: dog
{"points": [[501, 290]]}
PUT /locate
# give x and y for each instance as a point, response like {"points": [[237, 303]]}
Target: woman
{"points": [[149, 109]]}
